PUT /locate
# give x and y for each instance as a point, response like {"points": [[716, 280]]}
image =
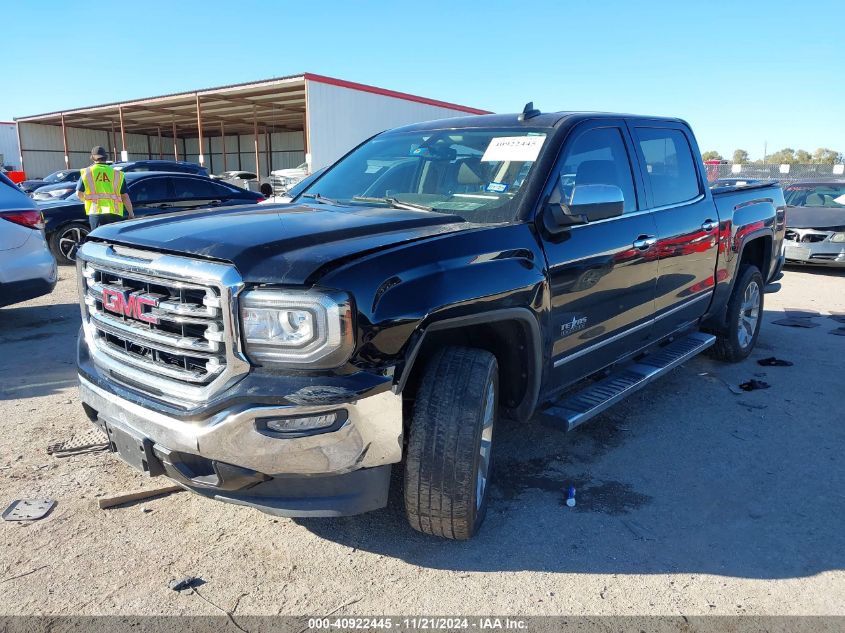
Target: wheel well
{"points": [[513, 344], [757, 252]]}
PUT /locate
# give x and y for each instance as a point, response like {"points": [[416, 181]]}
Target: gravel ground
{"points": [[691, 499]]}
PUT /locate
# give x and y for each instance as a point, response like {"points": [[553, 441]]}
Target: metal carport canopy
{"points": [[280, 105]]}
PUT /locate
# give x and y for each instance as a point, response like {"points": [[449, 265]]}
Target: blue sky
{"points": [[742, 73]]}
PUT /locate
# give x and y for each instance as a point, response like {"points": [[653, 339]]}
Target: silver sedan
{"points": [[815, 223]]}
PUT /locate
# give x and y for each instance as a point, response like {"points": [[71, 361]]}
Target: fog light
{"points": [[304, 425]]}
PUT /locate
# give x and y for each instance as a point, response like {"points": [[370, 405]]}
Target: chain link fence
{"points": [[785, 174]]}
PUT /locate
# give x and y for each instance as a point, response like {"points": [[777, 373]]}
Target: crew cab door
{"points": [[686, 219], [602, 273]]}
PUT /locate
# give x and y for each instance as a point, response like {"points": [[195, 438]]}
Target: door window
{"points": [[149, 190], [670, 168], [598, 157], [199, 189]]}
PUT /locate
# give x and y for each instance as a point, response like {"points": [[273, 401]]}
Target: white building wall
{"points": [[340, 118], [50, 155], [9, 150]]}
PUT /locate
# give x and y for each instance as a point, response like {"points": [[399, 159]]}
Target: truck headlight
{"points": [[305, 329], [837, 237]]}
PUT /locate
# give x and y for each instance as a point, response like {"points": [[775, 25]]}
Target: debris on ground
{"points": [[28, 509], [771, 361], [750, 406], [797, 322], [186, 582], [570, 497], [127, 497], [732, 389], [753, 385], [92, 441]]}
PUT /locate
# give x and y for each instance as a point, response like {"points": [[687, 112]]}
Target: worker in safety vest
{"points": [[103, 190]]}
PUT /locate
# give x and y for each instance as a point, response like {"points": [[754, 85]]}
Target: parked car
{"points": [[815, 223], [238, 174], [294, 191], [423, 286], [67, 177], [27, 269], [152, 193], [59, 191], [177, 166], [283, 179]]}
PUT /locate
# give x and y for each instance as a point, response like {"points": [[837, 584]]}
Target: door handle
{"points": [[645, 242], [709, 225]]}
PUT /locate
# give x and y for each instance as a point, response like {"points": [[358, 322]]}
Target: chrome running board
{"points": [[580, 407]]}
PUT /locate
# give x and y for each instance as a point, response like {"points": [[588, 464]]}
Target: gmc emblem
{"points": [[130, 304]]}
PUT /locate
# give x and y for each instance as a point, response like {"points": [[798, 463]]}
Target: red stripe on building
{"points": [[392, 93]]}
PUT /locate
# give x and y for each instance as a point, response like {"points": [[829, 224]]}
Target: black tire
{"points": [[736, 342], [61, 239], [445, 443]]}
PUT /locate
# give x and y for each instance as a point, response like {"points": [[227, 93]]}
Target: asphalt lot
{"points": [[691, 499]]}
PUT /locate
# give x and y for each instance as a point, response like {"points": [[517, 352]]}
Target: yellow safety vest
{"points": [[102, 185]]}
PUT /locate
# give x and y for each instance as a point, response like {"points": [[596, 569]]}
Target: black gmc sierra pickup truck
{"points": [[435, 278]]}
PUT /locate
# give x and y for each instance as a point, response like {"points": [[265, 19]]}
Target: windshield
{"points": [[476, 173], [830, 196], [56, 176]]}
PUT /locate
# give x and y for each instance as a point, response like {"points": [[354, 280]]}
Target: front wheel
{"points": [[447, 469], [67, 239], [745, 316]]}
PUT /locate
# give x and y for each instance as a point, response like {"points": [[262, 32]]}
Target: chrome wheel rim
{"points": [[69, 239], [749, 314], [485, 446]]}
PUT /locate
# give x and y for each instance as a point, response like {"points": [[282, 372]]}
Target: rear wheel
{"points": [[447, 469], [745, 316], [67, 239]]}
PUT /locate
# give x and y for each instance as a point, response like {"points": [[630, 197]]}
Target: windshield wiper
{"points": [[395, 203], [316, 197]]}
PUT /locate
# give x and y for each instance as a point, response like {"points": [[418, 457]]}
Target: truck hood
{"points": [[281, 244]]}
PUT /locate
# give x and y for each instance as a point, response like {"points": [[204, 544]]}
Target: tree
{"points": [[711, 155], [786, 155], [804, 157], [740, 156], [825, 156]]}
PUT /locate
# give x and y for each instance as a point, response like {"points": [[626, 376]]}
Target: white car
{"points": [[284, 179], [294, 190], [27, 268]]}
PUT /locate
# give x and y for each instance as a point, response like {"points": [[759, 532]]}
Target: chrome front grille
{"points": [[161, 324]]}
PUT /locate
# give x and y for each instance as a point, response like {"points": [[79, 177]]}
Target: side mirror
{"points": [[587, 203], [597, 202]]}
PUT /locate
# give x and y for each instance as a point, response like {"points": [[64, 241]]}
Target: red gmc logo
{"points": [[130, 305]]}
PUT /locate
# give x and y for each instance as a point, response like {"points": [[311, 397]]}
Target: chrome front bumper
{"points": [[371, 436]]}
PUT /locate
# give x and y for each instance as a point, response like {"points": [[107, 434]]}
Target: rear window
{"points": [[670, 167]]}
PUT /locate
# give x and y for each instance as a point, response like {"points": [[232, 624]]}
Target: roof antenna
{"points": [[528, 112]]}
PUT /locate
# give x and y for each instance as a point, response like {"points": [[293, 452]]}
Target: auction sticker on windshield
{"points": [[513, 148]]}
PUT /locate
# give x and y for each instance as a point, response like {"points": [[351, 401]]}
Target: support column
{"points": [[64, 140], [199, 130], [255, 140], [122, 135], [223, 139], [175, 144], [268, 154], [20, 146], [113, 143], [160, 153]]}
